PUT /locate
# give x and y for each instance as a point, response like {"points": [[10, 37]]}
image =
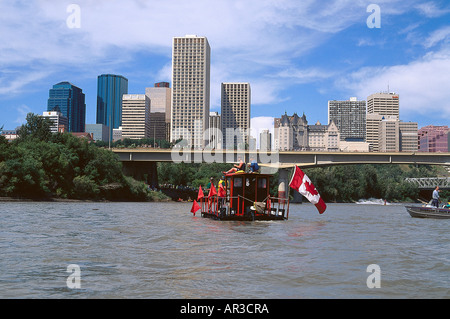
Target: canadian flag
{"points": [[302, 184]]}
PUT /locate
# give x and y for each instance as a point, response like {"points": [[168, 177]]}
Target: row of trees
{"points": [[40, 164], [353, 182], [131, 143], [346, 183]]}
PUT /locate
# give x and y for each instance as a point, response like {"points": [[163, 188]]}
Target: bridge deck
{"points": [[282, 159]]}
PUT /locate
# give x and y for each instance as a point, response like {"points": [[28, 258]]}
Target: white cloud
{"points": [[421, 84], [304, 75], [437, 36], [253, 36], [22, 111], [260, 123], [431, 10], [255, 41], [11, 82]]}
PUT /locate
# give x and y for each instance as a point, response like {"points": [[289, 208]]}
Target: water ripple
{"points": [[159, 250]]}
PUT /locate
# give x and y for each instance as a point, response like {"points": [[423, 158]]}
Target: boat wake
{"points": [[373, 201]]}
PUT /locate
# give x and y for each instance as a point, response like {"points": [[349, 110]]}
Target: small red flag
{"points": [[195, 207], [302, 184], [212, 191], [221, 191], [200, 193]]}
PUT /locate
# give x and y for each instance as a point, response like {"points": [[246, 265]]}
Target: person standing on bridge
{"points": [[435, 197]]}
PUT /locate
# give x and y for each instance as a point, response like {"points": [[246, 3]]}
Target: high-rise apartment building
{"points": [[235, 112], [191, 58], [135, 116], [160, 101], [110, 89], [434, 139], [69, 100], [349, 117]]}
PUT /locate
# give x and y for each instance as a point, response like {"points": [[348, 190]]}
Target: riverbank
{"points": [[152, 197]]}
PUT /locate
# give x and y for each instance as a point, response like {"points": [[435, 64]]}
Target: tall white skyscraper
{"points": [[235, 103], [191, 58]]}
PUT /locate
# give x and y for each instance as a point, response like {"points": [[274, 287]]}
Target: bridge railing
{"points": [[430, 182]]}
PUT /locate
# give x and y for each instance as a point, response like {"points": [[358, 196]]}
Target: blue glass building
{"points": [[68, 99], [110, 89]]}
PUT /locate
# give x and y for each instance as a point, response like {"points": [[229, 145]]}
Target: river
{"points": [[160, 250]]}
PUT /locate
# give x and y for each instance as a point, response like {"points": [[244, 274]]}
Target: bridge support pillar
{"points": [[283, 186], [283, 183], [143, 171]]}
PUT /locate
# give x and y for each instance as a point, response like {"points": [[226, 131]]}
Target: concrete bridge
{"points": [[141, 162], [282, 159]]}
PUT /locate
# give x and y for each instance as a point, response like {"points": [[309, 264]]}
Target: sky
{"points": [[296, 55]]}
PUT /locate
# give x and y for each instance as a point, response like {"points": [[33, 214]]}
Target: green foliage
{"points": [[40, 164], [132, 143], [344, 183], [190, 174], [350, 183], [37, 127]]}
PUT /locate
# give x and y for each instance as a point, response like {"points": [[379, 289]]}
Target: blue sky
{"points": [[296, 55]]}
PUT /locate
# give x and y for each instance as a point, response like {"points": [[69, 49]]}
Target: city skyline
{"points": [[296, 57]]}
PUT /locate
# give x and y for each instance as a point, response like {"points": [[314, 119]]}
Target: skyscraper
{"points": [[190, 89], [110, 89], [383, 104], [379, 106], [350, 118], [69, 100], [235, 104], [136, 116], [160, 101]]}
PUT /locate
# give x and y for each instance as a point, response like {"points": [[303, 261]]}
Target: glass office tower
{"points": [[110, 89], [69, 100]]}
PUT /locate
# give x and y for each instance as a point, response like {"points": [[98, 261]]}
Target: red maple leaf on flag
{"points": [[310, 188]]}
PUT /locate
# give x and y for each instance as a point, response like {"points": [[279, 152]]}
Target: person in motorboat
{"points": [[435, 197]]}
